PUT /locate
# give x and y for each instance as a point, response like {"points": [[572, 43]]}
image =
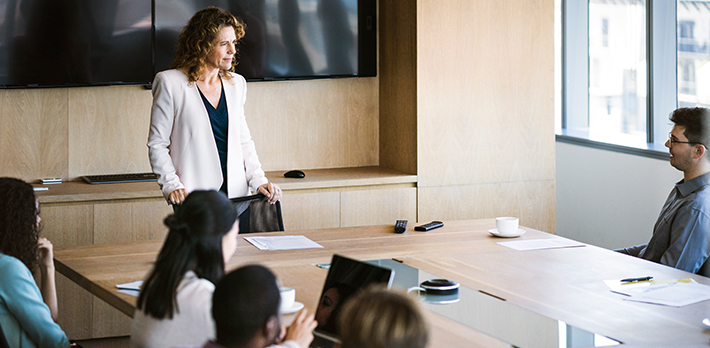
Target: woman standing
{"points": [[199, 137], [27, 312]]}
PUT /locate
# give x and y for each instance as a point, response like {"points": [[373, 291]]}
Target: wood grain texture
{"points": [[533, 202], [108, 321], [564, 284], [108, 130], [377, 206], [75, 308], [302, 211], [326, 123], [33, 133], [67, 224], [112, 223], [148, 216], [342, 178], [485, 91], [398, 85]]}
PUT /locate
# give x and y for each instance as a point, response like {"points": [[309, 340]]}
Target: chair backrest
{"points": [[263, 217]]}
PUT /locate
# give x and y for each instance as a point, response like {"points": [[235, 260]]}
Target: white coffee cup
{"points": [[507, 225], [288, 297]]}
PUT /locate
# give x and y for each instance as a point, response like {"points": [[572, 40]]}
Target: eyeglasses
{"points": [[673, 140]]}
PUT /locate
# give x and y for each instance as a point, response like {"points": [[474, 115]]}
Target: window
{"points": [[693, 53], [618, 84]]}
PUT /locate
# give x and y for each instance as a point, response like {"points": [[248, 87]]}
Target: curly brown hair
{"points": [[19, 230], [197, 38]]}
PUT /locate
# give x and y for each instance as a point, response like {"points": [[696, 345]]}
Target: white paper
{"points": [[537, 244], [673, 294], [282, 243], [129, 292], [132, 286]]}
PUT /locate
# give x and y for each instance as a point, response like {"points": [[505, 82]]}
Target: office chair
{"points": [[257, 215]]}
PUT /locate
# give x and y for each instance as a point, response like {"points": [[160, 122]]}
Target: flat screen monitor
{"points": [[285, 39], [57, 43]]}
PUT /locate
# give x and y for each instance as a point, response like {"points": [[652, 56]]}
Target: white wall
{"points": [[609, 199]]}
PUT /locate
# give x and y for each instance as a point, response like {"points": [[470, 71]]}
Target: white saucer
{"points": [[295, 308], [494, 231]]}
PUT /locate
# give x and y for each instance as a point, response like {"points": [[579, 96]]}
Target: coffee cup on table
{"points": [[507, 225], [288, 297]]}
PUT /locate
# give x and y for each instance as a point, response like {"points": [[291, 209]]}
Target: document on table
{"points": [[132, 288], [282, 243], [537, 244], [676, 294]]}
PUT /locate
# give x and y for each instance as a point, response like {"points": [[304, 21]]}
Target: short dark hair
{"points": [[243, 301], [696, 122], [194, 243]]}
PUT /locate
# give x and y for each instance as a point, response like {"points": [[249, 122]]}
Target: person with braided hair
{"points": [[27, 312], [176, 298]]}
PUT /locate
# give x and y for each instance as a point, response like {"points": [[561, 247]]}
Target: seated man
{"points": [[681, 236], [245, 308]]}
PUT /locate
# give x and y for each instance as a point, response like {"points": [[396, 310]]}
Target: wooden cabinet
{"points": [[346, 197]]}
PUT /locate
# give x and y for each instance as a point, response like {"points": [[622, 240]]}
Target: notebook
{"points": [[345, 277]]}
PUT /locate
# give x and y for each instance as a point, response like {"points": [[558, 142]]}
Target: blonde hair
{"points": [[197, 38], [377, 318]]}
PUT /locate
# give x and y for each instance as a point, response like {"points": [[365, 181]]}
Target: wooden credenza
{"points": [[75, 213]]}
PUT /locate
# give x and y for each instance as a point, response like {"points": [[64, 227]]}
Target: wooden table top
{"points": [[563, 284]]}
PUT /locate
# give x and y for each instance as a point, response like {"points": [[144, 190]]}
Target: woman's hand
{"points": [[48, 286], [301, 330], [271, 191], [178, 196], [46, 254]]}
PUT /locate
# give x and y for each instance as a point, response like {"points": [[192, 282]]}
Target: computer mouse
{"points": [[294, 174]]}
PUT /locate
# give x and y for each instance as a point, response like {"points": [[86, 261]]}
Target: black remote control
{"points": [[430, 226], [401, 226]]}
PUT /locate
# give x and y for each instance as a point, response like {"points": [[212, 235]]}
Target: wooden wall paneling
{"points": [[147, 218], [398, 85], [67, 224], [533, 202], [108, 130], [313, 124], [33, 133], [75, 309], [108, 321], [377, 206], [485, 91], [310, 210], [113, 223]]}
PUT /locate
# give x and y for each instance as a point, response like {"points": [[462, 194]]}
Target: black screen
{"points": [[75, 42], [284, 38]]}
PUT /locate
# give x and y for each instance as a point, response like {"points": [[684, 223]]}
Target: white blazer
{"points": [[181, 145]]}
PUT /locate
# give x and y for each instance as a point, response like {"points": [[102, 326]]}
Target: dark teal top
{"points": [[219, 119]]}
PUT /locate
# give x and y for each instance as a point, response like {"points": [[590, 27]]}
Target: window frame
{"points": [[662, 83]]}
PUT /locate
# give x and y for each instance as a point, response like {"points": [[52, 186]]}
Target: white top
{"points": [[181, 143], [191, 326]]}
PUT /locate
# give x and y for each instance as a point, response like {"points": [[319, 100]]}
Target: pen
{"points": [[634, 280]]}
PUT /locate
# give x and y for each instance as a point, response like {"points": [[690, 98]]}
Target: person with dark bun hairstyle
{"points": [[245, 308], [379, 318], [199, 139], [681, 236], [27, 312], [175, 300]]}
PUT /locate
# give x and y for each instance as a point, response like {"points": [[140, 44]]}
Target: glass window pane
{"points": [[693, 53], [617, 70]]}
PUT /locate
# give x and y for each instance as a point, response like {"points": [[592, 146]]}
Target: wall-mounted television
{"points": [[67, 43], [61, 43], [285, 39]]}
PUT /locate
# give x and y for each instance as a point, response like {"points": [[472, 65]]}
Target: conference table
{"points": [[523, 294]]}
